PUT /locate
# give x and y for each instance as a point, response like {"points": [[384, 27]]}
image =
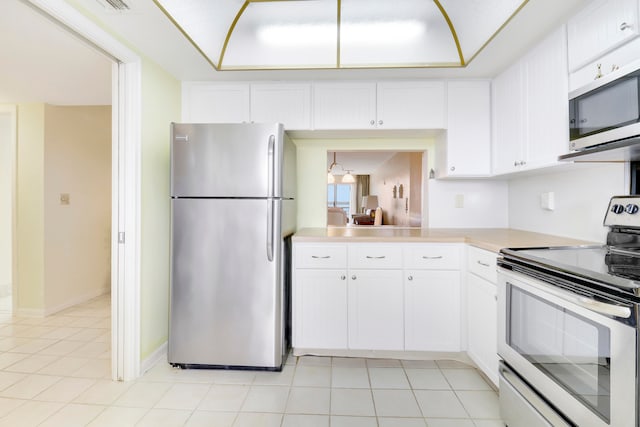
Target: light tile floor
{"points": [[56, 372]]}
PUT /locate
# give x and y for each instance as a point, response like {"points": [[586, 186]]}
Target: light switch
{"points": [[547, 201], [459, 201], [65, 199]]}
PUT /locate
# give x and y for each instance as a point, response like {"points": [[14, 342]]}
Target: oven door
{"points": [[581, 361]]}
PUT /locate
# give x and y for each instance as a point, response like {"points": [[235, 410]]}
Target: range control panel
{"points": [[623, 211]]}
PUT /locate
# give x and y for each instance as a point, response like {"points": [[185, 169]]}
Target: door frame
{"points": [[125, 183], [11, 110]]}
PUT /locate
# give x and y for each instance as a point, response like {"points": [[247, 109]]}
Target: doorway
{"points": [[125, 182], [7, 156]]}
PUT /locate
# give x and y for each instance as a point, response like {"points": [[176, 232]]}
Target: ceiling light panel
{"points": [[206, 23], [284, 34], [303, 34], [477, 21], [398, 33]]}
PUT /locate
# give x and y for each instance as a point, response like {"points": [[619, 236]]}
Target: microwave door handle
{"points": [[584, 302]]}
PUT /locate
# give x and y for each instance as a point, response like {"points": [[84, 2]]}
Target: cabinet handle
{"points": [[452, 168], [343, 277], [515, 163], [320, 257], [380, 122], [431, 257], [373, 122], [376, 257], [410, 278], [353, 277], [484, 264], [624, 26]]}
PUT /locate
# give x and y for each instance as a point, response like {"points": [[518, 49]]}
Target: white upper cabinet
{"points": [[411, 105], [385, 105], [215, 103], [547, 104], [289, 104], [344, 105], [466, 151], [530, 109], [599, 28], [508, 120]]}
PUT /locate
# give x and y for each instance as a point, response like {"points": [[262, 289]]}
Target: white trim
{"points": [[158, 355], [125, 286], [44, 312], [13, 149], [75, 301]]}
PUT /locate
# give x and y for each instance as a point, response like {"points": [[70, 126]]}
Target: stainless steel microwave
{"points": [[606, 110]]}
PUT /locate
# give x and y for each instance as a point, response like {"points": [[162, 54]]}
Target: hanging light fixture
{"points": [[347, 178], [336, 169]]}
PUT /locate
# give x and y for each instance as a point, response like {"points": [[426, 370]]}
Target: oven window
{"points": [[571, 350]]}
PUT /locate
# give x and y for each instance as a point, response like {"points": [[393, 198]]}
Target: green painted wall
{"points": [[30, 207], [161, 100]]}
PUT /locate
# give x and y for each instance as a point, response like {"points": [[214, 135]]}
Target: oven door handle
{"points": [[585, 302]]}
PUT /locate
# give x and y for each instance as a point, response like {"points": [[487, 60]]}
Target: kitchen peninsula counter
{"points": [[491, 239]]}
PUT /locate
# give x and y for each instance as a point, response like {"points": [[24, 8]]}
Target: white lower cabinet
{"points": [[432, 310], [482, 312], [321, 315], [376, 319], [377, 296]]}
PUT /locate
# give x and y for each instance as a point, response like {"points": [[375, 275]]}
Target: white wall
{"points": [[402, 169], [581, 198], [6, 167], [77, 236], [483, 204]]}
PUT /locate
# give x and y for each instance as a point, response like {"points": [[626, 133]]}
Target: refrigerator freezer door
{"points": [[230, 160], [226, 296]]}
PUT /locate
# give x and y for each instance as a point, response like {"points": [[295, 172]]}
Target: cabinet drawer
{"points": [[375, 256], [482, 263], [321, 256], [432, 257]]}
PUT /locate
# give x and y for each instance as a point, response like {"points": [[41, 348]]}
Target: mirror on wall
{"points": [[374, 188]]}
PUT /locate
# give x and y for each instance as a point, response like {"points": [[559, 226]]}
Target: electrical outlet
{"points": [[547, 201], [65, 199]]}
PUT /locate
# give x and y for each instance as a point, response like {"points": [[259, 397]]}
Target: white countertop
{"points": [[492, 239]]}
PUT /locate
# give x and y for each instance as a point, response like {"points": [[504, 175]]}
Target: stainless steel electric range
{"points": [[568, 329]]}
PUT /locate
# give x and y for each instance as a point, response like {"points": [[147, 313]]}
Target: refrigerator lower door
{"points": [[226, 306]]}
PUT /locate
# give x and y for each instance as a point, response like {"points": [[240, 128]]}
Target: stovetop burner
{"points": [[615, 265]]}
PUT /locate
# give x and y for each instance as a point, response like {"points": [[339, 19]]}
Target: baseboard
{"points": [[47, 311], [149, 362], [78, 300]]}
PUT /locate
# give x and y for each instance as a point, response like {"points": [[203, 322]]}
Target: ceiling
{"points": [[41, 62], [50, 65], [359, 162]]}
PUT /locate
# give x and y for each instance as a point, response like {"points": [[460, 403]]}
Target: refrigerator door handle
{"points": [[270, 226], [271, 166]]}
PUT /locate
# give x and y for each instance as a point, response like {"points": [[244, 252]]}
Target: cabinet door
{"points": [[547, 110], [215, 103], [508, 120], [432, 310], [599, 28], [376, 320], [482, 345], [344, 105], [320, 309], [411, 105], [289, 104], [468, 145]]}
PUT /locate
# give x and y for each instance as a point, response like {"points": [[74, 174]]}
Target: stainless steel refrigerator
{"points": [[232, 213]]}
